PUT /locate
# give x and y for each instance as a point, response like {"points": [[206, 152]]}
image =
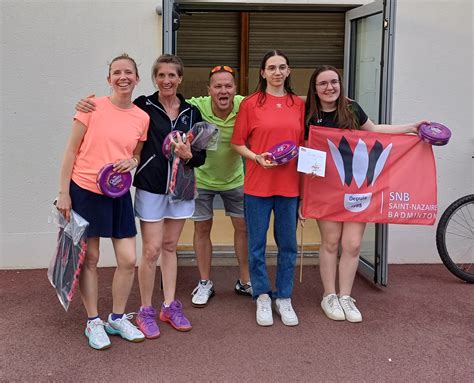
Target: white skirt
{"points": [[151, 207]]}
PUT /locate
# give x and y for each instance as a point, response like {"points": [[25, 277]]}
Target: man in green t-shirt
{"points": [[221, 174]]}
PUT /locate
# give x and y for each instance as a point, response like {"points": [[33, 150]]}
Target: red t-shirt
{"points": [[261, 127]]}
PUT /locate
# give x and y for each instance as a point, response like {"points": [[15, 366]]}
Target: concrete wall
{"points": [[53, 53], [433, 79]]}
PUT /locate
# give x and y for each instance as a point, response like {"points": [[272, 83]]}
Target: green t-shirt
{"points": [[223, 169]]}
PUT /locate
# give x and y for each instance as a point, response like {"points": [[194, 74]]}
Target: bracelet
{"points": [[256, 157], [136, 161]]}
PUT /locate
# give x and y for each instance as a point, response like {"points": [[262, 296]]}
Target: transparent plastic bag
{"points": [[203, 136], [65, 266], [182, 181]]}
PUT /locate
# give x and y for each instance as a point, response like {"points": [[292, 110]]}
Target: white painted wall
{"points": [[433, 79], [53, 53]]}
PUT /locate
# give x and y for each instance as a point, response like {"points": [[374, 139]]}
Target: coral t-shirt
{"points": [[260, 127], [112, 134]]}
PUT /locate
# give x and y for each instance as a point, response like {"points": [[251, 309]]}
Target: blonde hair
{"points": [[124, 56]]}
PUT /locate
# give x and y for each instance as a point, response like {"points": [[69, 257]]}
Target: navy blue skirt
{"points": [[107, 217]]}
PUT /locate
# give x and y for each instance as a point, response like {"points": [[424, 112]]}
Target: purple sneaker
{"points": [[146, 321], [175, 317]]}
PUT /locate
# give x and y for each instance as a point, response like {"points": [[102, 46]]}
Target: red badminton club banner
{"points": [[372, 177]]}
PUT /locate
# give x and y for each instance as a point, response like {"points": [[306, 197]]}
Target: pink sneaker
{"points": [[175, 317], [146, 321]]}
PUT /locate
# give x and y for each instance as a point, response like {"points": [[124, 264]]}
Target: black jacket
{"points": [[152, 172]]}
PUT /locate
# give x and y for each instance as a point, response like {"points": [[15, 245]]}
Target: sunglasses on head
{"points": [[222, 68]]}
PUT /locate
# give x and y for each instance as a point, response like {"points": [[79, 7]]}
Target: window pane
{"points": [[367, 64]]}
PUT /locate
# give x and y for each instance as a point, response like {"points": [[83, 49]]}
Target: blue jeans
{"points": [[257, 217]]}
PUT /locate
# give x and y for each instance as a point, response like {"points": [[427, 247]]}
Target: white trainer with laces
{"points": [[202, 293], [123, 327], [243, 288], [96, 334], [332, 308], [264, 310], [348, 305], [285, 309]]}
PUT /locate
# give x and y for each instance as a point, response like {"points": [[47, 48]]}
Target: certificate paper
{"points": [[312, 161]]}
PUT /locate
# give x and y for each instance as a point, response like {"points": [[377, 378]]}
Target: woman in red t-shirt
{"points": [[267, 117]]}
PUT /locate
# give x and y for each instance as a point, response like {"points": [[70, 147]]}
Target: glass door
{"points": [[367, 73]]}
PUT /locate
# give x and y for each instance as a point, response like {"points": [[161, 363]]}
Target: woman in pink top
{"points": [[114, 133]]}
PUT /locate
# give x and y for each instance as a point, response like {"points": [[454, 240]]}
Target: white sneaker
{"points": [[202, 293], [350, 309], [264, 310], [285, 309], [124, 328], [332, 308], [96, 334], [243, 288]]}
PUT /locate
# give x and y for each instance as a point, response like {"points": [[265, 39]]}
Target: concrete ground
{"points": [[418, 329]]}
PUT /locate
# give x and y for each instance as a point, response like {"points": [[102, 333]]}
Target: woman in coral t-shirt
{"points": [[113, 133], [269, 116]]}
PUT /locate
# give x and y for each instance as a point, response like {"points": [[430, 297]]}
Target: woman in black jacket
{"points": [[161, 221]]}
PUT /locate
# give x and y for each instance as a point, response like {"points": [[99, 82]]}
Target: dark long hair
{"points": [[344, 116], [262, 82]]}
